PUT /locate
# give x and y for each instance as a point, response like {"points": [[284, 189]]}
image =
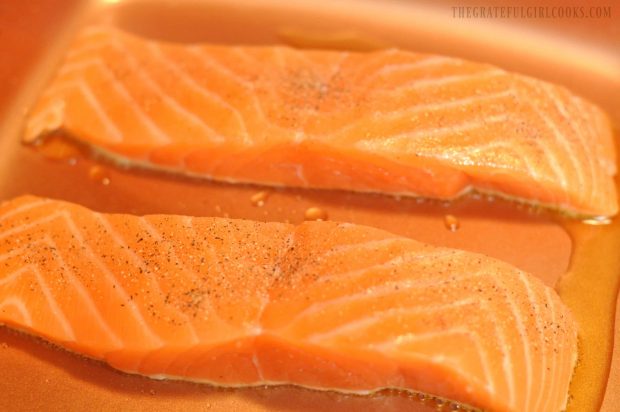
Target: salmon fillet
{"points": [[323, 305], [388, 121]]}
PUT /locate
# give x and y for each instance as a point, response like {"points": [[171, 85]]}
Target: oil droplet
{"points": [[72, 161], [597, 221], [451, 222], [99, 174], [258, 199], [420, 200], [315, 213]]}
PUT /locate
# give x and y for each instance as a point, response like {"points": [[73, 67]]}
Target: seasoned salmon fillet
{"points": [[389, 121], [323, 305]]}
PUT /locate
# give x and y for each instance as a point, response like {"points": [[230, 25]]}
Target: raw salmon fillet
{"points": [[388, 121], [323, 305]]}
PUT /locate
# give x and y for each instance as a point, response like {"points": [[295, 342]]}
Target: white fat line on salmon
{"points": [[117, 288], [560, 139], [402, 286], [326, 238], [442, 81], [242, 54], [19, 305], [551, 93], [20, 250], [373, 292], [427, 62], [597, 159], [605, 156], [137, 261], [566, 346], [188, 222], [113, 132], [256, 364], [171, 102], [340, 249], [514, 308], [199, 88], [109, 276], [155, 132], [507, 363], [31, 223], [412, 256], [380, 57], [171, 250], [568, 367], [531, 171], [539, 328], [420, 108], [209, 62], [58, 106], [554, 344], [378, 316], [117, 238], [372, 142], [23, 208], [382, 116], [551, 155], [504, 145], [473, 337], [561, 143], [81, 289], [51, 300], [445, 104]]}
